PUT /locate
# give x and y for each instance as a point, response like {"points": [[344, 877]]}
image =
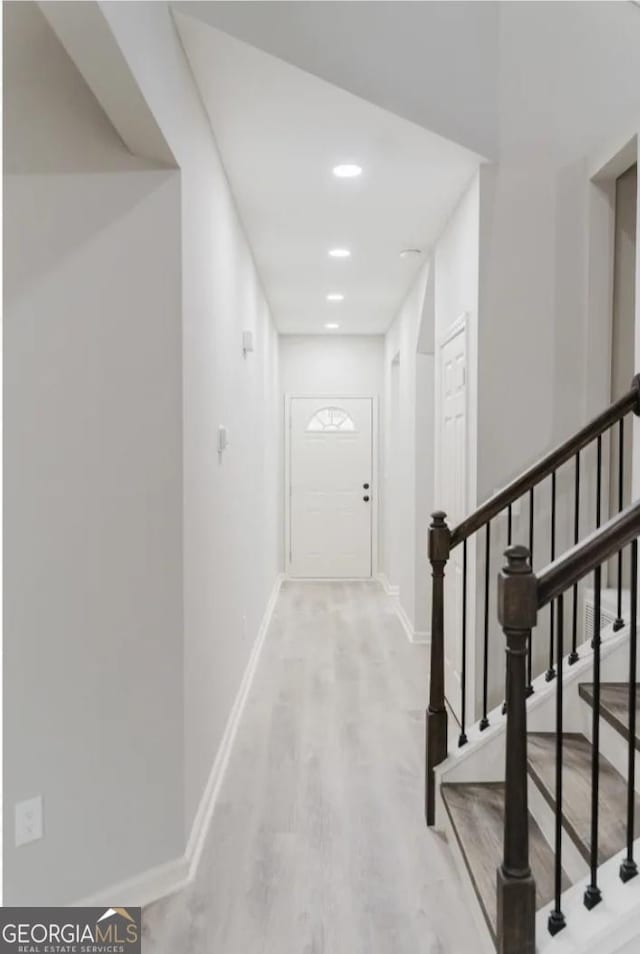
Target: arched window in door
{"points": [[331, 419]]}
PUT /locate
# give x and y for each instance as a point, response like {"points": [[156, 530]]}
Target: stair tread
{"points": [[576, 787], [614, 705], [476, 810]]}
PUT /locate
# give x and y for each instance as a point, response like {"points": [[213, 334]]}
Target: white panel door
{"points": [[452, 489], [330, 485]]}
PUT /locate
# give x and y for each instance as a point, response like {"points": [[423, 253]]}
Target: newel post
{"points": [[439, 545], [517, 611]]}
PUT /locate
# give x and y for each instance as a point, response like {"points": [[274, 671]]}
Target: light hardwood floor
{"points": [[318, 843]]}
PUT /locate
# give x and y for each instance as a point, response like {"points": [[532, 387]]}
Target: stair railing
{"points": [[442, 540], [521, 596]]}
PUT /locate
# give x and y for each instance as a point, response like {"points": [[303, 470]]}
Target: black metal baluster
{"points": [[530, 689], [573, 656], [599, 481], [629, 868], [509, 536], [484, 721], [598, 513], [550, 673], [619, 623], [592, 894], [463, 682], [556, 917]]}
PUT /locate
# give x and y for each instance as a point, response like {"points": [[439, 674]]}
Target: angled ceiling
{"points": [[433, 63], [280, 131], [500, 78]]}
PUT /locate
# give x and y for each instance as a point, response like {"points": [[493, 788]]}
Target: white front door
{"points": [[452, 493], [330, 487]]}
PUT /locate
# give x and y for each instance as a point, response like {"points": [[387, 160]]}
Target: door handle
{"points": [[365, 498]]}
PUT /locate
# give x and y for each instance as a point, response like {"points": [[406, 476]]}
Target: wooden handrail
{"points": [[442, 540], [591, 552], [554, 459]]}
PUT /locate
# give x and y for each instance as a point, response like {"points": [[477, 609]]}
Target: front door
{"points": [[330, 487]]}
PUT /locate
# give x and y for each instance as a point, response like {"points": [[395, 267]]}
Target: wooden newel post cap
{"points": [[439, 538], [517, 591]]}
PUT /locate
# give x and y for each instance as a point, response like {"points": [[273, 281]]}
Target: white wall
{"points": [[545, 293], [446, 288], [424, 488], [93, 695], [350, 365], [231, 533], [163, 257], [456, 268], [400, 536]]}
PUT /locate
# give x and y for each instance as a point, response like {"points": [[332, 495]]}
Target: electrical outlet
{"points": [[29, 821]]}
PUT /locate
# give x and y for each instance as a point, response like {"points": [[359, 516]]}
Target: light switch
{"points": [[247, 341], [223, 438], [29, 820]]}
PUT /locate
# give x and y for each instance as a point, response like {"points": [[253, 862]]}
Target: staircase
{"points": [[539, 797]]}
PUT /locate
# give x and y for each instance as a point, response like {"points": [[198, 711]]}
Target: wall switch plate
{"points": [[247, 341], [29, 821], [223, 438]]}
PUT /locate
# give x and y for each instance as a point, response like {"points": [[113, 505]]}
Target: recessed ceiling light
{"points": [[410, 252], [335, 296], [339, 252], [332, 325], [348, 170]]}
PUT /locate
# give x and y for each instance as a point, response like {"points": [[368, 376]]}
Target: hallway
{"points": [[318, 843]]}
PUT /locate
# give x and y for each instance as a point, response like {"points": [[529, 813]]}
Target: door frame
{"points": [[288, 398], [459, 327]]}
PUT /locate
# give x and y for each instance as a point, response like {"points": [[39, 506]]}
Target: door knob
{"points": [[366, 486], [365, 498]]}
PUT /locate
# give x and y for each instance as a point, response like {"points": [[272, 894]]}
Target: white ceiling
{"points": [[280, 131], [434, 63]]}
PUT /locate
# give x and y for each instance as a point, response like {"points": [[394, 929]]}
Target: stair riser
{"points": [[608, 928], [612, 745], [486, 943], [572, 861]]}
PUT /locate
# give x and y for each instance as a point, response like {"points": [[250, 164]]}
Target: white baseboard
{"points": [[414, 636], [326, 579], [204, 813], [390, 588], [170, 877], [143, 889]]}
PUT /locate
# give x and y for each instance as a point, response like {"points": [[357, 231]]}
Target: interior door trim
{"points": [[375, 471]]}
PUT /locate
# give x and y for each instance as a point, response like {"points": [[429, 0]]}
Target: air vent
{"points": [[608, 611]]}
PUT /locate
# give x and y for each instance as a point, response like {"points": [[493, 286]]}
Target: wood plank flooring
{"points": [[318, 843], [477, 813], [576, 785]]}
